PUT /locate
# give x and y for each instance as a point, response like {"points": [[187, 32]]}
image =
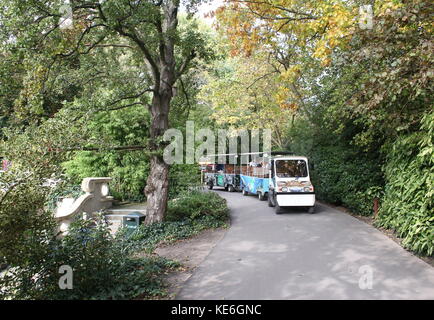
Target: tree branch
{"points": [[185, 94], [112, 148], [133, 36], [77, 46], [185, 64]]}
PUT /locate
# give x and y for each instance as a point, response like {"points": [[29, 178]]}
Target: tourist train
{"points": [[281, 178]]}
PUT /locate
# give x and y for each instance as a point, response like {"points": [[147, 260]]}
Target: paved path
{"points": [[297, 255]]}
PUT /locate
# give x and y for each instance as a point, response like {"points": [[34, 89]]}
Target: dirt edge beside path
{"points": [[190, 253]]}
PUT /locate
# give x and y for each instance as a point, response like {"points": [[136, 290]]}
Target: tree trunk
{"points": [[157, 187], [157, 190]]}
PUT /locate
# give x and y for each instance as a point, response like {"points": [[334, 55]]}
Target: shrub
{"points": [[103, 267], [64, 189], [408, 203], [197, 204], [345, 177], [22, 200], [150, 236], [183, 177], [187, 216]]}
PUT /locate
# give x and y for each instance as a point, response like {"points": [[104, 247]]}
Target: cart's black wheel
{"points": [[278, 208], [261, 196], [270, 201], [245, 193], [311, 210], [231, 188]]}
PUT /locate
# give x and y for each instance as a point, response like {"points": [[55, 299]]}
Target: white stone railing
{"points": [[96, 198]]}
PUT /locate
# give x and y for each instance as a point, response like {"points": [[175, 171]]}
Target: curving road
{"points": [[296, 255]]}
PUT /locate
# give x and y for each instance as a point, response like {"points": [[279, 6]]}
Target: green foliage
{"points": [[25, 187], [344, 177], [240, 98], [182, 178], [149, 236], [196, 204], [129, 169], [408, 203], [60, 191], [188, 215], [22, 213], [103, 267]]}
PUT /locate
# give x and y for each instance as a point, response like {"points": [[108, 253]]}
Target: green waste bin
{"points": [[132, 221]]}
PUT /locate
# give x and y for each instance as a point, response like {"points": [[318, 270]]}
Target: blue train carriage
{"points": [[222, 175], [284, 180], [255, 179]]}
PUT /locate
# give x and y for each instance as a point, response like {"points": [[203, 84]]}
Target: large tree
{"points": [[379, 75], [262, 96], [147, 33]]}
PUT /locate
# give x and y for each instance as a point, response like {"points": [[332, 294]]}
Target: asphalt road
{"points": [[296, 255]]}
